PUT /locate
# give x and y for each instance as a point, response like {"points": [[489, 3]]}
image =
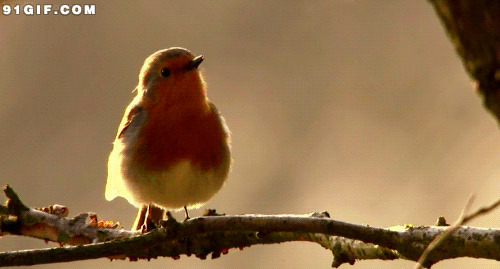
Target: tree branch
{"points": [[462, 220], [217, 234], [474, 29]]}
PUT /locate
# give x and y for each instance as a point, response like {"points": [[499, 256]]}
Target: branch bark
{"points": [[473, 27], [217, 234]]}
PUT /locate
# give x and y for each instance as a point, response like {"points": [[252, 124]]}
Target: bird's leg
{"points": [[148, 218], [141, 217], [155, 214], [187, 214]]}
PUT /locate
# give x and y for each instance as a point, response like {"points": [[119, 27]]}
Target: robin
{"points": [[172, 149]]}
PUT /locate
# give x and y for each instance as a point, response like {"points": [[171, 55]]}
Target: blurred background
{"points": [[360, 108]]}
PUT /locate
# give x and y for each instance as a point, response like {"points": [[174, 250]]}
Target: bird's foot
{"points": [[212, 213], [187, 214]]}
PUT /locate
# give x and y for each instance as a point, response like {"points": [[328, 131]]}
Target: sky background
{"points": [[359, 108]]}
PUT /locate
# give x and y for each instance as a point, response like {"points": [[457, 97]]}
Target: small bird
{"points": [[172, 149]]}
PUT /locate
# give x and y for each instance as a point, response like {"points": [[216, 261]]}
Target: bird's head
{"points": [[171, 77]]}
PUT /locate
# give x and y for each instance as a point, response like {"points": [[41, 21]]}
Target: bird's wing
{"points": [[132, 122], [128, 133]]}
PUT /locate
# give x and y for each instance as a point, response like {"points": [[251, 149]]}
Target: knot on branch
{"points": [[14, 204]]}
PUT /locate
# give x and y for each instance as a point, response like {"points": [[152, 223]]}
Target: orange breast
{"points": [[171, 136]]}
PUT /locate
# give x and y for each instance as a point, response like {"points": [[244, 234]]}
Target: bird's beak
{"points": [[194, 63]]}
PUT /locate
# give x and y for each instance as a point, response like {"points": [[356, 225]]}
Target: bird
{"points": [[172, 150]]}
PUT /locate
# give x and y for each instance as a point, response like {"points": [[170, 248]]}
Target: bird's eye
{"points": [[165, 72]]}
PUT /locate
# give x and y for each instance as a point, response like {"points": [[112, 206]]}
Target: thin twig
{"points": [[462, 220], [481, 211]]}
